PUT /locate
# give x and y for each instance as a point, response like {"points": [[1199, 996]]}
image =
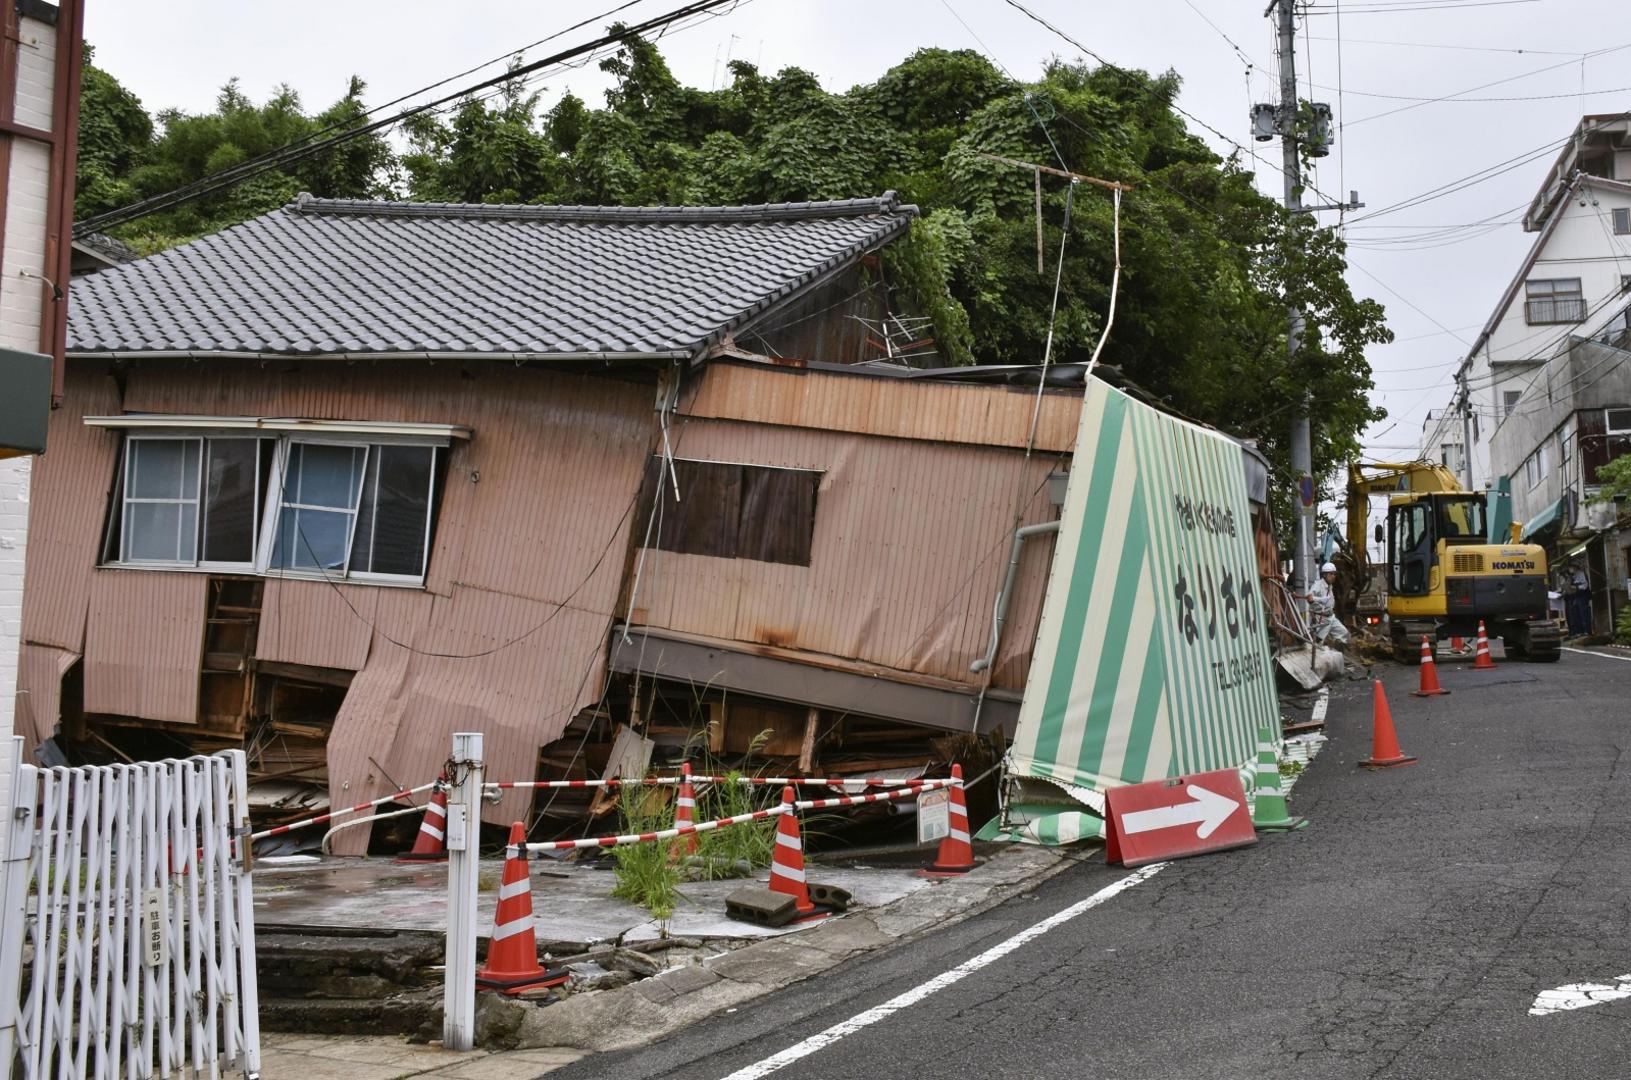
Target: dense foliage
{"points": [[1208, 263]]}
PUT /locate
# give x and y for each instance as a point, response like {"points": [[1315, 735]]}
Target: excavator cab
{"points": [[1444, 574], [1445, 577]]}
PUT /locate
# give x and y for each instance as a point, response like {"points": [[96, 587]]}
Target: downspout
{"points": [[999, 611], [59, 224]]}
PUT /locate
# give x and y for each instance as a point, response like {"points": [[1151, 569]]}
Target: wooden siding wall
{"points": [[508, 635], [923, 486]]}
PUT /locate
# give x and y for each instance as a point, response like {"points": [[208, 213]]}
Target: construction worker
{"points": [[1322, 610]]}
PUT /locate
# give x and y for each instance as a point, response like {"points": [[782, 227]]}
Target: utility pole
{"points": [[1302, 451], [1287, 121]]}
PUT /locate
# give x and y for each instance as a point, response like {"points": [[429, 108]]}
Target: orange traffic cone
{"points": [[1456, 644], [1429, 672], [512, 952], [431, 843], [956, 854], [1482, 662], [685, 813], [787, 864], [1384, 752]]}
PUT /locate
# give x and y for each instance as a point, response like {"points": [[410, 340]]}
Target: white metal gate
{"points": [[127, 929]]}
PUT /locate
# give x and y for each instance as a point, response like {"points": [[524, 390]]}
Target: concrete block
{"points": [[761, 907]]}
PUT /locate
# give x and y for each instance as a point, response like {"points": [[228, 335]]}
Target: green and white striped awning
{"points": [[1152, 656]]}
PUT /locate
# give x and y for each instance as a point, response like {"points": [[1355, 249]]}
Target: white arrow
{"points": [[1208, 808], [1578, 996]]}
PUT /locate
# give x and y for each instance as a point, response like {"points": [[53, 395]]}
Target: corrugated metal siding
{"points": [[323, 626], [144, 642], [69, 498], [972, 413], [530, 545], [535, 513], [40, 668], [911, 544]]}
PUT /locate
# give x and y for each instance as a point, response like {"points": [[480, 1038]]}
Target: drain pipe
{"points": [[1000, 611]]}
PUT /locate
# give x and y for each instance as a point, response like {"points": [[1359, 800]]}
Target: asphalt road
{"points": [[1405, 934]]}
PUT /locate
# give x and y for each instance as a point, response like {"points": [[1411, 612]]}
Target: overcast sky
{"points": [[1439, 283]]}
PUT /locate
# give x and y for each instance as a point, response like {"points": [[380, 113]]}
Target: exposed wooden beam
{"points": [[1112, 185]]}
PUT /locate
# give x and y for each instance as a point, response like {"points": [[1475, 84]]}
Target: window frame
{"points": [[120, 499], [1545, 290], [1622, 214], [269, 500], [127, 465], [1608, 424]]}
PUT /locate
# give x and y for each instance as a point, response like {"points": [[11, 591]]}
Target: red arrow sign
{"points": [[1169, 819]]}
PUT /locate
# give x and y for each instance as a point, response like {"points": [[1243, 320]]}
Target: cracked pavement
{"points": [[1405, 934]]}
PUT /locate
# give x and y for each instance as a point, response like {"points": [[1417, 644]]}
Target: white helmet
{"points": [[1329, 568]]}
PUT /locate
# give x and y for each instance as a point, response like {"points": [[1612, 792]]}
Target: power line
{"points": [[1144, 83], [301, 151], [1441, 45], [1496, 82]]}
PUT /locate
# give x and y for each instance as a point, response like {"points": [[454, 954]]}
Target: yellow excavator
{"points": [[1443, 572]]}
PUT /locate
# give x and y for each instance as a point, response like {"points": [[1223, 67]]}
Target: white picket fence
{"points": [[127, 929]]}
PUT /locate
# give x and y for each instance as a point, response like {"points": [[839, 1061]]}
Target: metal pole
{"points": [[463, 855], [1302, 460], [1466, 429]]}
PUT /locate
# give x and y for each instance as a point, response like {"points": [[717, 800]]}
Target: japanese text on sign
{"points": [[1214, 519], [1220, 607]]}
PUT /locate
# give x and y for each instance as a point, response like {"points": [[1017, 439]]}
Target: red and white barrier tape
{"points": [[778, 781], [877, 796], [664, 834], [395, 796], [917, 788]]}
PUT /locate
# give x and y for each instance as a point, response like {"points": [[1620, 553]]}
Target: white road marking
{"points": [[1593, 652], [1578, 996], [823, 1039], [1321, 704]]}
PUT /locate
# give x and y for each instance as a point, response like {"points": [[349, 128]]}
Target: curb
{"points": [[631, 1016]]}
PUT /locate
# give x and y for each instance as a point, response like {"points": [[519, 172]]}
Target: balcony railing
{"points": [[1554, 310]]}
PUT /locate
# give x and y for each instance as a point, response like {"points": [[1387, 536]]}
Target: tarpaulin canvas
{"points": [[1152, 656]]}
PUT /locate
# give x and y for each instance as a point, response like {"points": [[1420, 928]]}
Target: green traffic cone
{"points": [[1270, 812]]}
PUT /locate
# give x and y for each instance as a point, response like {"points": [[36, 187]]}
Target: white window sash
{"points": [[269, 499], [127, 500]]}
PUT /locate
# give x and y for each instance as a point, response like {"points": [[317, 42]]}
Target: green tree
{"points": [[125, 157], [1209, 265]]}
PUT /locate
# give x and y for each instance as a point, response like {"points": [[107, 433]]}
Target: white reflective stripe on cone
{"points": [[433, 830], [511, 889], [959, 834], [434, 808], [787, 872], [688, 802], [512, 928], [789, 841]]}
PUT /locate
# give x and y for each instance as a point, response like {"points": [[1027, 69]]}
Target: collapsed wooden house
{"points": [[349, 477]]}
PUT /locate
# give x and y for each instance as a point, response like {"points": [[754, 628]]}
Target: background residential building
{"points": [[1573, 276]]}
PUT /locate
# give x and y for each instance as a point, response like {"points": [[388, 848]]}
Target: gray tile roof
{"points": [[333, 276]]}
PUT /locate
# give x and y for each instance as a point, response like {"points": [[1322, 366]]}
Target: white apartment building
{"points": [[1577, 270]]}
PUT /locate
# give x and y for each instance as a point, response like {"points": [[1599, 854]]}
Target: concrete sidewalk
{"points": [[722, 982], [371, 1057]]}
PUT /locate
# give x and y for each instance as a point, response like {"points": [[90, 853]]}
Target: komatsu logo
{"points": [[1513, 564]]}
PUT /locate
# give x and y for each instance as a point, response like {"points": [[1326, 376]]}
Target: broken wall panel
{"points": [[868, 404], [67, 511], [320, 627], [471, 665], [143, 644], [40, 669]]}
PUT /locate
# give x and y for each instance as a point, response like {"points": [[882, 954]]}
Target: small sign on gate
{"points": [[153, 926], [933, 816]]}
